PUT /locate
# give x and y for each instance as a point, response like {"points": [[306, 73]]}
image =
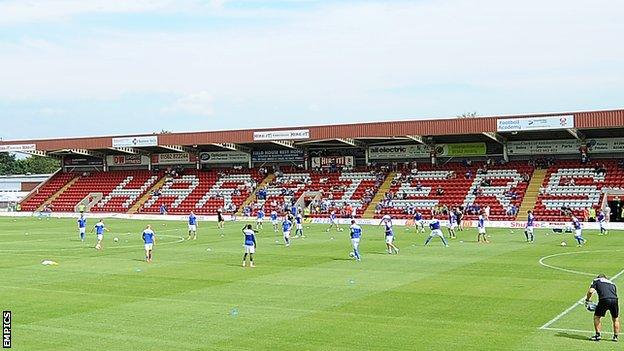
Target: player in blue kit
{"points": [[149, 239], [274, 221], [299, 226], [356, 235], [482, 235], [259, 219], [293, 211], [192, 226], [528, 231], [286, 227], [389, 233], [99, 228], [602, 221], [333, 221], [434, 225], [250, 245], [578, 232], [419, 222], [452, 224], [82, 227]]}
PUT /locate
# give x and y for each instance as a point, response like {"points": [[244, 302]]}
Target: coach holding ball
{"points": [[607, 301]]}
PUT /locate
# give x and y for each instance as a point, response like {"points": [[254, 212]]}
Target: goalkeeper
{"points": [[607, 301]]}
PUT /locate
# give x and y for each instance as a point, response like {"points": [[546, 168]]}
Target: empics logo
{"points": [[6, 329]]}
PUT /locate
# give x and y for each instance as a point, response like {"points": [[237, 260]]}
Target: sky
{"points": [[102, 67]]}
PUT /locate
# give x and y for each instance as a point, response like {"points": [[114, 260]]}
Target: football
{"points": [[563, 243], [116, 239], [351, 254]]}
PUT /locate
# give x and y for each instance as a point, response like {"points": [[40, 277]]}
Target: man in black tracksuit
{"points": [[607, 301]]}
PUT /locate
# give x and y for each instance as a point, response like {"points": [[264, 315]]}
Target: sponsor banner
{"points": [[542, 147], [282, 135], [398, 152], [288, 155], [173, 159], [127, 160], [326, 162], [545, 147], [224, 157], [344, 221], [18, 148], [534, 123], [463, 149], [605, 145], [424, 151], [83, 161], [136, 141]]}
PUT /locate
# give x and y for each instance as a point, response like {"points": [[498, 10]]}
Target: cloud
{"points": [[361, 59], [196, 104]]}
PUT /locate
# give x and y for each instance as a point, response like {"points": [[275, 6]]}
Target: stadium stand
{"points": [[324, 191], [572, 187], [473, 188]]}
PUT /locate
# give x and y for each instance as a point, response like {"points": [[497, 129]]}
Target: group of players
{"points": [[294, 219]]}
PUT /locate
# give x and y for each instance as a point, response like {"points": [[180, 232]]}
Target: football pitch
{"points": [[309, 296]]}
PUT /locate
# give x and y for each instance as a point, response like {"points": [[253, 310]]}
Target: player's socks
{"points": [[427, 241], [526, 234]]}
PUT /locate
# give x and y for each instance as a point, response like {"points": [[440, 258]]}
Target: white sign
{"points": [[398, 152], [558, 147], [174, 158], [224, 157], [136, 141], [282, 135], [535, 123], [340, 161], [127, 160], [542, 147], [18, 148]]}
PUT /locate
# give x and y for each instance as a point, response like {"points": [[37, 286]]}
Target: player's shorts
{"points": [[529, 230], [149, 246], [578, 232], [287, 234], [299, 226], [436, 232], [250, 249], [389, 239], [275, 221], [82, 230], [419, 222], [260, 220], [192, 227], [332, 222], [451, 226], [481, 230], [100, 236], [602, 224], [355, 242], [605, 305]]}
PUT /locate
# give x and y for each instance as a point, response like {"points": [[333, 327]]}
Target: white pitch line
{"points": [[541, 261], [569, 309]]}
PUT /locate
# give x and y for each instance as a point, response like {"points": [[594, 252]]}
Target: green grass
{"points": [[311, 296]]}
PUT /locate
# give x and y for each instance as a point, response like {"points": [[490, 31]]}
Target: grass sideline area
{"points": [[310, 296]]}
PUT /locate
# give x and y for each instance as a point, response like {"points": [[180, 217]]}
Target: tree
{"points": [[38, 165], [9, 165]]}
